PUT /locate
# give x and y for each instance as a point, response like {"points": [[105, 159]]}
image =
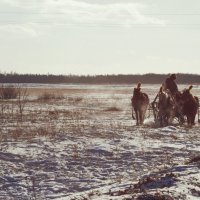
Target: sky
{"points": [[90, 37]]}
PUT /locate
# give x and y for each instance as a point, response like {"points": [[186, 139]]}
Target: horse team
{"points": [[183, 106]]}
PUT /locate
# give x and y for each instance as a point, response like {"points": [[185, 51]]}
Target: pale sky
{"points": [[100, 36]]}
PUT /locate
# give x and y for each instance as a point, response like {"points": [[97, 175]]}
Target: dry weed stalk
{"points": [[22, 99], [75, 151]]}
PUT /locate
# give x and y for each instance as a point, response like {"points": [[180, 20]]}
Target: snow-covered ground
{"points": [[86, 146]]}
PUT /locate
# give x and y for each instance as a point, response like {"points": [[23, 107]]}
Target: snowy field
{"points": [[79, 142]]}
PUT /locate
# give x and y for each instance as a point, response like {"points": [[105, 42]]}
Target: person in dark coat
{"points": [[171, 85]]}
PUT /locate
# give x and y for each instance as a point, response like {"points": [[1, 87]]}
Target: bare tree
{"points": [[22, 98]]}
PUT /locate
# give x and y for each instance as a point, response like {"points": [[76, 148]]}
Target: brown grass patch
{"points": [[46, 96], [193, 159], [112, 109]]}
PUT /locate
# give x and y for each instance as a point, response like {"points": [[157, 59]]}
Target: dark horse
{"points": [[140, 102], [188, 105]]}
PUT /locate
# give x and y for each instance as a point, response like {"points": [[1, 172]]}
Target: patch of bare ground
{"points": [[112, 109], [193, 159]]}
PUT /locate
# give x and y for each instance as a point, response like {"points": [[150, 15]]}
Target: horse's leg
{"points": [[193, 119], [161, 121], [154, 111], [133, 114], [160, 116], [164, 120], [170, 119], [181, 118], [167, 120], [142, 117], [188, 120], [165, 123], [137, 117], [143, 113]]}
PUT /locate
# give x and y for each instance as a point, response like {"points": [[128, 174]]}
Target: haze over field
{"points": [[99, 36]]}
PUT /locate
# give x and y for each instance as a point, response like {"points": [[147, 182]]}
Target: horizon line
{"points": [[109, 74]]}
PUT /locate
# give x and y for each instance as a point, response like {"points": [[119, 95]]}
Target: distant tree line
{"points": [[96, 79]]}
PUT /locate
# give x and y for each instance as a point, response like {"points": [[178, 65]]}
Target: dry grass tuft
{"points": [[193, 159], [46, 96], [154, 197], [112, 109], [74, 99]]}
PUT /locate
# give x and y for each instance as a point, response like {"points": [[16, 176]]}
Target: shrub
{"points": [[50, 96], [9, 92]]}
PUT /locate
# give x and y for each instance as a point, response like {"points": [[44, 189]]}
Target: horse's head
{"points": [[137, 90], [186, 95], [164, 100], [162, 96], [140, 98]]}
